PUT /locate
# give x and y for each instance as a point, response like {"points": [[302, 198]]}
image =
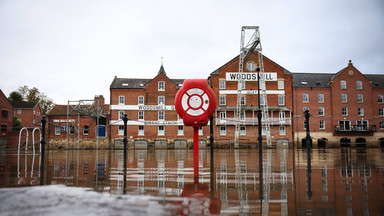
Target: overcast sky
{"points": [[72, 49]]}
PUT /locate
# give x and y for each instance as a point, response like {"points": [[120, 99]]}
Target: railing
{"points": [[252, 121], [356, 128]]}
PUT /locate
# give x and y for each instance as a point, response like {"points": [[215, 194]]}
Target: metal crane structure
{"points": [[250, 42]]}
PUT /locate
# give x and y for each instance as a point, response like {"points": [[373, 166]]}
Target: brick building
{"points": [[346, 107], [279, 98], [28, 113], [149, 105], [6, 118], [77, 123]]}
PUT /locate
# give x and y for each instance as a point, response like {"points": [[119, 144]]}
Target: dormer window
{"points": [[161, 86], [125, 84], [304, 83]]}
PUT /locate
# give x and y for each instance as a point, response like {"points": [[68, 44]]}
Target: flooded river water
{"points": [[286, 182]]}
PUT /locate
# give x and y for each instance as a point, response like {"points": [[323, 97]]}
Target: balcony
{"points": [[356, 128], [252, 121]]}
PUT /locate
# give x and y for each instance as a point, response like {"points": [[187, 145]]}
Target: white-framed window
{"points": [[161, 130], [281, 115], [86, 130], [140, 100], [320, 98], [362, 125], [359, 85], [121, 114], [223, 131], [360, 111], [161, 116], [321, 124], [222, 84], [281, 100], [180, 130], [161, 86], [280, 84], [161, 100], [200, 130], [179, 117], [381, 124], [380, 99], [282, 130], [344, 98], [263, 130], [19, 111], [222, 101], [141, 130], [360, 98], [57, 130], [343, 84], [321, 111], [344, 111], [305, 108], [242, 115], [262, 101], [72, 130], [241, 84], [243, 130], [242, 100], [141, 115], [381, 111], [121, 99], [305, 98]]}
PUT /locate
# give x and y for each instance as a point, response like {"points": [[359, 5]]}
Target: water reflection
{"points": [[284, 182]]}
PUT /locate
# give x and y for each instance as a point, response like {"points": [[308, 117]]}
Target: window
{"points": [[305, 108], [4, 113], [221, 84], [263, 130], [321, 111], [360, 98], [161, 99], [141, 115], [381, 124], [222, 100], [19, 111], [359, 85], [161, 86], [360, 111], [141, 130], [200, 130], [343, 98], [243, 130], [262, 101], [179, 117], [380, 99], [280, 84], [121, 99], [343, 84], [320, 98], [86, 130], [282, 130], [72, 130], [281, 100], [242, 100], [242, 115], [180, 130], [223, 131], [121, 130], [57, 130], [381, 111], [321, 124], [305, 98], [344, 111], [161, 116], [281, 115], [141, 100], [161, 131], [241, 84], [362, 125], [345, 125], [3, 128], [121, 114]]}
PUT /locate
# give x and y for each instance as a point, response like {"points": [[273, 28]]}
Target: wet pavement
{"points": [[161, 182]]}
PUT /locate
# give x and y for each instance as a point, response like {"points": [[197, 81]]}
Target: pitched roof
{"points": [[61, 110], [319, 80], [134, 83], [377, 80], [23, 104]]}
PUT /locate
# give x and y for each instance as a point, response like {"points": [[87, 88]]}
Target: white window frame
{"points": [[321, 124], [243, 100], [381, 125], [161, 100], [281, 100], [18, 111], [380, 99], [360, 111], [180, 130], [305, 108], [57, 130], [305, 98], [344, 111], [362, 123], [161, 130], [140, 130], [121, 114], [280, 84], [223, 131], [85, 131], [360, 98], [161, 116], [344, 98], [320, 98], [222, 100], [242, 115], [381, 111], [140, 115], [121, 99], [321, 111], [343, 84], [72, 130], [359, 85], [222, 84], [140, 100], [243, 130], [201, 131], [281, 115], [161, 86], [282, 131]]}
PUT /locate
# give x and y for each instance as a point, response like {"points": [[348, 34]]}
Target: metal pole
{"points": [[308, 135], [196, 154], [125, 140], [43, 122], [309, 146], [211, 139], [259, 115]]}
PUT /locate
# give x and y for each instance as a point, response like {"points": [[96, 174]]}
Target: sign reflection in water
{"points": [[341, 181]]}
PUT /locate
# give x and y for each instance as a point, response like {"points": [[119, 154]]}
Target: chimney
{"points": [[100, 98]]}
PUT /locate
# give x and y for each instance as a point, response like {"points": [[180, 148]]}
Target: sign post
{"points": [[195, 103]]}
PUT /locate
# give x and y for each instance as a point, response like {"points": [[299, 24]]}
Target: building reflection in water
{"points": [[285, 182]]}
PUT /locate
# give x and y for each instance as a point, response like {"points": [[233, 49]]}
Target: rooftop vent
{"points": [[141, 84], [124, 84], [304, 83], [180, 85], [318, 83]]}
